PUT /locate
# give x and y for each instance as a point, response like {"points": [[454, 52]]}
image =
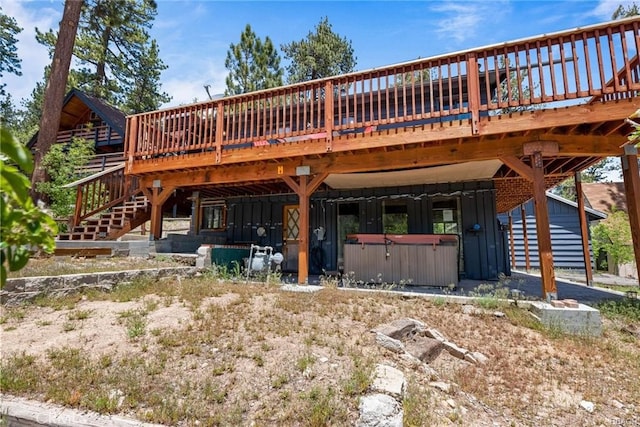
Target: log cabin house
{"points": [[387, 161], [87, 117]]}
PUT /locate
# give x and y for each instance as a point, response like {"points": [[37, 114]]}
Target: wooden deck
{"points": [[579, 83], [546, 107]]}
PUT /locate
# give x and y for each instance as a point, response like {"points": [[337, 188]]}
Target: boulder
{"points": [[389, 343], [379, 410], [389, 380], [401, 329], [424, 348]]}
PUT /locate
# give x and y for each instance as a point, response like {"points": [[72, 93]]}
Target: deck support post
{"points": [[512, 245], [584, 229], [304, 189], [525, 238], [631, 176], [549, 290], [473, 88], [158, 197]]}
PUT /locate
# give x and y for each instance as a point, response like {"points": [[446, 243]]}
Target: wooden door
{"points": [[291, 234]]}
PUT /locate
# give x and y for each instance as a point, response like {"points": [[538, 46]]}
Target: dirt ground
{"points": [[209, 352]]}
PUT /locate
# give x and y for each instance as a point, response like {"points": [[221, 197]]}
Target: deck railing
{"points": [[102, 191], [99, 134], [596, 63]]}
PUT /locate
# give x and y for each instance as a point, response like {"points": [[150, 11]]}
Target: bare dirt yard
{"points": [[211, 351]]}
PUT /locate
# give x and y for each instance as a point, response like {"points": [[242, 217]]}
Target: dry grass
{"points": [[215, 353]]}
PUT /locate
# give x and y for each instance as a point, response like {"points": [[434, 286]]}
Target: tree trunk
{"points": [[55, 89]]}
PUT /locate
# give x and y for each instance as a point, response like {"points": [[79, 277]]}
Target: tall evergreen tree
{"points": [[322, 54], [54, 91], [10, 63], [252, 64], [115, 53], [9, 60], [145, 94]]}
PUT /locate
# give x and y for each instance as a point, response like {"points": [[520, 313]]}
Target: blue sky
{"points": [[194, 35]]}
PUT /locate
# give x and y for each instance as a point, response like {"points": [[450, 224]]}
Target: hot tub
{"points": [[413, 259]]}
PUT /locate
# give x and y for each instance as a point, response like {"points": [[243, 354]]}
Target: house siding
{"points": [[566, 239], [484, 252]]}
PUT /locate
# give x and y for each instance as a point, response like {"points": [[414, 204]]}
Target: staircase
{"points": [[109, 204], [114, 223]]}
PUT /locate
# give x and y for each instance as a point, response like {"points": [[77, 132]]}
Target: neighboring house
{"points": [[90, 118], [566, 237], [607, 197]]}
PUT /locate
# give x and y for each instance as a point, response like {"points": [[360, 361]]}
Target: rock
{"points": [[389, 343], [323, 359], [451, 403], [435, 334], [587, 406], [389, 380], [454, 350], [480, 358], [498, 314], [379, 410], [411, 360], [442, 386], [469, 358], [401, 329], [424, 348], [308, 373], [617, 404], [632, 330], [429, 372], [470, 309]]}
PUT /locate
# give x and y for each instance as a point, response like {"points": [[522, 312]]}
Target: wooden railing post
{"points": [[78, 211], [328, 113], [131, 138], [473, 92], [219, 130]]}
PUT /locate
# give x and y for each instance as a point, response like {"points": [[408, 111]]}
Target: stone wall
{"points": [[24, 289]]}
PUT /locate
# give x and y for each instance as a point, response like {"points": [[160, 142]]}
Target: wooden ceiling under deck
{"points": [[571, 89]]}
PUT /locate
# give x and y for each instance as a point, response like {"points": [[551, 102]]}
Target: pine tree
{"points": [[252, 64], [145, 94], [54, 91], [118, 59], [322, 54], [10, 63]]}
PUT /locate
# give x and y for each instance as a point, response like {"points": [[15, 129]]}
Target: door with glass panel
{"points": [[291, 235]]}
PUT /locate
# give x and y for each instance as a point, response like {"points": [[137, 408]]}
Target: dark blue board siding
{"points": [[483, 251], [566, 241]]}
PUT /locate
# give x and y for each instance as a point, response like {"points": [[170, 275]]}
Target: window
{"points": [[395, 219], [446, 216], [213, 215]]}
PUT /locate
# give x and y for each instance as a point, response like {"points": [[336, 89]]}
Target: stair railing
{"points": [[101, 191]]}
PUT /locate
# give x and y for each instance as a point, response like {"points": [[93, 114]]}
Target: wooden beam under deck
{"points": [[411, 157]]}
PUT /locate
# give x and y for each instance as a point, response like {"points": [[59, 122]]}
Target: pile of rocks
{"points": [[414, 341]]}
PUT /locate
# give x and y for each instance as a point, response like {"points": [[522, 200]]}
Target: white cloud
{"points": [[605, 8], [185, 88], [33, 55], [461, 21]]}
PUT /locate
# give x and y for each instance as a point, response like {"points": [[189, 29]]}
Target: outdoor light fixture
{"points": [[303, 170]]}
